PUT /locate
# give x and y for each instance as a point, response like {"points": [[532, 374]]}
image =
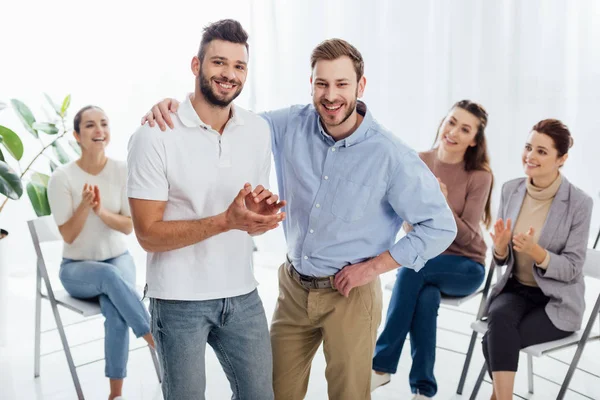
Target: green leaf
{"points": [[54, 106], [60, 153], [65, 105], [53, 166], [40, 178], [25, 115], [10, 183], [12, 142], [38, 195], [1, 155], [75, 147], [46, 127]]}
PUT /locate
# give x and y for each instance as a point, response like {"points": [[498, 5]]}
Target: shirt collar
{"points": [[359, 135], [190, 118]]}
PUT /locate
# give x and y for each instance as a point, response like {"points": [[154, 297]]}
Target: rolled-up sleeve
{"points": [[414, 194]]}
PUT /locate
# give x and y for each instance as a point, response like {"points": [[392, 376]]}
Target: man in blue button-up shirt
{"points": [[349, 185]]}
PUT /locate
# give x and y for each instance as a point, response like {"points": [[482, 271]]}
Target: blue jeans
{"points": [[112, 281], [236, 328], [413, 309]]}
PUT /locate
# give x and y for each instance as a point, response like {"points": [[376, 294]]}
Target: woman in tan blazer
{"points": [[541, 235]]}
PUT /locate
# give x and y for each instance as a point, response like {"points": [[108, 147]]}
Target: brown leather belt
{"points": [[310, 282]]}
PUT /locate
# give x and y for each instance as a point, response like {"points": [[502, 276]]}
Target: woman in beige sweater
{"points": [[460, 162], [543, 242]]}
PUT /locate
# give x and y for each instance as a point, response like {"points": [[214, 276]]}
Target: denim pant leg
{"points": [[125, 264], [180, 330], [454, 275], [116, 340], [236, 328], [86, 279], [399, 318], [109, 280], [450, 275], [243, 347], [423, 336]]}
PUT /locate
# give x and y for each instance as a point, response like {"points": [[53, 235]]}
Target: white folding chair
{"points": [[44, 230], [591, 269]]}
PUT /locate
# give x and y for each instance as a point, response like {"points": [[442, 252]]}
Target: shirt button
{"points": [[312, 231], [325, 177], [317, 205], [333, 149], [306, 257]]}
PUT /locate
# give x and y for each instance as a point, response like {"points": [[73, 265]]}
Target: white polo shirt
{"points": [[198, 172]]}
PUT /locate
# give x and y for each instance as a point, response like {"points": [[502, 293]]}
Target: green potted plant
{"points": [[18, 175]]}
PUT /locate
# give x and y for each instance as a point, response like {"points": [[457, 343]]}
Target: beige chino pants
{"points": [[347, 327]]}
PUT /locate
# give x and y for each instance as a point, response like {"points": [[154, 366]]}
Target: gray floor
{"points": [[16, 359]]}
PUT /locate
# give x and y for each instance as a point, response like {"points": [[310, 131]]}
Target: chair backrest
{"points": [[591, 267], [45, 230]]}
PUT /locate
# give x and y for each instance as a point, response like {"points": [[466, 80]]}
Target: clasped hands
{"points": [[254, 211]]}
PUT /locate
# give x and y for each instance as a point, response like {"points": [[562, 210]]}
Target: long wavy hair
{"points": [[476, 157]]}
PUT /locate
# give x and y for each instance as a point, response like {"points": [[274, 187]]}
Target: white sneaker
{"points": [[379, 380], [421, 397]]}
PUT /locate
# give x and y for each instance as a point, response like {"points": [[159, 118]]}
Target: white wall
{"points": [[523, 61], [122, 55]]}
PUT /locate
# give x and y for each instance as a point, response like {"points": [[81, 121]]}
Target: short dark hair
{"points": [[333, 49], [558, 132], [79, 115], [228, 30]]}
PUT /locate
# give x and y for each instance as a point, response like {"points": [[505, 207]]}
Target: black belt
{"points": [[310, 282]]}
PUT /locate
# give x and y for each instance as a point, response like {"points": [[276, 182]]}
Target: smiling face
{"points": [[94, 131], [458, 131], [335, 90], [540, 157], [222, 72]]}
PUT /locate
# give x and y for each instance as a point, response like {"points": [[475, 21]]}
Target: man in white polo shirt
{"points": [[193, 209]]}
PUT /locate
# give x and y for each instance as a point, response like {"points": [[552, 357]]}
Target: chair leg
{"points": [[580, 347], [478, 382], [571, 371], [530, 372], [61, 332], [463, 376], [67, 349], [38, 327], [156, 364]]}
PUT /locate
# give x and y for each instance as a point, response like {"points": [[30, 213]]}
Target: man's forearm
{"points": [[172, 235], [384, 263]]}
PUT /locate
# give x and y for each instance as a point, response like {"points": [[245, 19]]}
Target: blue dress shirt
{"points": [[346, 200]]}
